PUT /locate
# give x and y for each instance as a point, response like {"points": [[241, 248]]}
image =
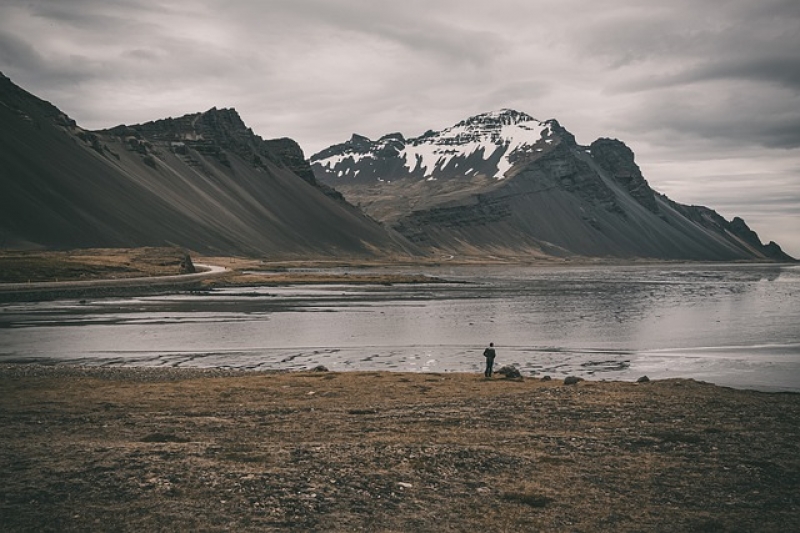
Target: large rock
{"points": [[187, 266], [510, 372]]}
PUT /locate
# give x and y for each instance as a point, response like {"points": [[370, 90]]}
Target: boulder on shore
{"points": [[510, 372], [187, 267]]}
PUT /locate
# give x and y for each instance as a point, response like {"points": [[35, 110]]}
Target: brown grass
{"points": [[129, 450], [87, 264]]}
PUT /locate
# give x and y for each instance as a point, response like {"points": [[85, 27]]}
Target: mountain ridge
{"points": [[203, 181], [497, 184], [504, 183]]}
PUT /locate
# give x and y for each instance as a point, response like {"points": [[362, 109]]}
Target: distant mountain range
{"points": [[204, 182], [498, 184], [506, 184]]}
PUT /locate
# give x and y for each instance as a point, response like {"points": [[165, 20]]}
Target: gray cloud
{"points": [[740, 114], [782, 70], [707, 71]]}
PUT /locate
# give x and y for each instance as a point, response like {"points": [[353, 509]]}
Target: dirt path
{"points": [[94, 449], [48, 290], [203, 272]]}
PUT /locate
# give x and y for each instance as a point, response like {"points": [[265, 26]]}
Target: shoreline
{"points": [[70, 369], [210, 280], [132, 449]]}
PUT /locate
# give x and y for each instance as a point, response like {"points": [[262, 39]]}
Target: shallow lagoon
{"points": [[735, 325]]}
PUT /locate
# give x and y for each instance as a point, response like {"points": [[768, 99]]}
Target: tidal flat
{"points": [[148, 449], [733, 325]]}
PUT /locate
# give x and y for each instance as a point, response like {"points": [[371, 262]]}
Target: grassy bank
{"points": [[88, 264]]}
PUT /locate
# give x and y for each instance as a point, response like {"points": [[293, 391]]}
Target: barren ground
{"points": [[111, 449], [88, 264], [150, 270]]}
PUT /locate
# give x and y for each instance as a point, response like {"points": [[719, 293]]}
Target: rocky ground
{"points": [[110, 449]]}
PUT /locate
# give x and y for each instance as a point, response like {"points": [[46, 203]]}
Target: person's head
{"points": [[491, 345]]}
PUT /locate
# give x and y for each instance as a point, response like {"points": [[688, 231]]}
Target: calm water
{"points": [[735, 325]]}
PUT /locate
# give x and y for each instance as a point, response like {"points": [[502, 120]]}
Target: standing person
{"points": [[489, 354]]}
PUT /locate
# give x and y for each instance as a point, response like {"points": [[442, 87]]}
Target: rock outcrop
{"points": [[617, 159]]}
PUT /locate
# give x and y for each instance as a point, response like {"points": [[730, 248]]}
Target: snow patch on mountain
{"points": [[507, 131]]}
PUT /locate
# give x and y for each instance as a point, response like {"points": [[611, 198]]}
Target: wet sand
{"points": [[146, 449]]}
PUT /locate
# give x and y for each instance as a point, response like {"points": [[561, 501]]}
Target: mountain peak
{"points": [[487, 144], [228, 114], [500, 117]]}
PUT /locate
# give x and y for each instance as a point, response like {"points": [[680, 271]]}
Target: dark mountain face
{"points": [[204, 181], [506, 184], [616, 159]]}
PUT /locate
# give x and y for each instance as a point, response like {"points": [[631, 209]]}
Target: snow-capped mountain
{"points": [[488, 144], [506, 184]]}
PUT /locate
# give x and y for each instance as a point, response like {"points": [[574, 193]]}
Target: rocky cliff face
{"points": [[216, 133], [736, 228], [203, 181], [617, 160], [503, 183]]}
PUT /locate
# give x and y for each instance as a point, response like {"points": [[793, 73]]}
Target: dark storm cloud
{"points": [[35, 53], [780, 70], [21, 56], [16, 51], [731, 114]]}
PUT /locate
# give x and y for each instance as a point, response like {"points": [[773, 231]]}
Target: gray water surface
{"points": [[735, 325]]}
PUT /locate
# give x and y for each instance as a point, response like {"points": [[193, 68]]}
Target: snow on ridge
{"points": [[430, 156], [488, 132], [332, 162], [505, 130]]}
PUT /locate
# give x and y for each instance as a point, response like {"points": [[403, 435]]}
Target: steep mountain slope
{"points": [[503, 183], [204, 181]]}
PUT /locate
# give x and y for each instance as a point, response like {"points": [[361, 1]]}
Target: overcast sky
{"points": [[706, 93]]}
